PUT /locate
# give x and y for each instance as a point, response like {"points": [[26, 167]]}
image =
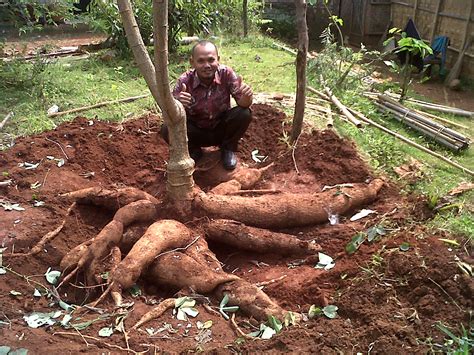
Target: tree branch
{"points": [[135, 41]]}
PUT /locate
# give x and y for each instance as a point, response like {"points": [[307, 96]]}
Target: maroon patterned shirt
{"points": [[209, 101]]}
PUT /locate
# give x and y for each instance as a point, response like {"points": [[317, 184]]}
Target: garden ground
{"points": [[391, 293], [394, 294]]}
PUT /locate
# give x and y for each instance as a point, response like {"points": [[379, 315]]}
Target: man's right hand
{"points": [[185, 97]]}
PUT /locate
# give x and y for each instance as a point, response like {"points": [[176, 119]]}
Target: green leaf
{"points": [[65, 306], [275, 324], [290, 319], [66, 319], [314, 311], [330, 311], [52, 276], [394, 30], [106, 332], [192, 312], [38, 319], [19, 351], [230, 309], [405, 246], [224, 301], [355, 243], [184, 302], [135, 291]]}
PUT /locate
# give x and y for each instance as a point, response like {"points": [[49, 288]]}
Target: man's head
{"points": [[205, 59]]}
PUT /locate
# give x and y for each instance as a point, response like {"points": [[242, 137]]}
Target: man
{"points": [[205, 92]]}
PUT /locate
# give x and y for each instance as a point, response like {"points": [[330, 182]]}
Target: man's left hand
{"points": [[246, 93]]}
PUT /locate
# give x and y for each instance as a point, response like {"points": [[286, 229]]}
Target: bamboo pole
{"points": [[419, 146], [329, 119], [343, 108], [449, 143], [5, 120], [100, 104], [427, 105], [444, 120], [426, 121]]}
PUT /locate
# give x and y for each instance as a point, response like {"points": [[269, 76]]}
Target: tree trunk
{"points": [[245, 17], [180, 166], [300, 69]]}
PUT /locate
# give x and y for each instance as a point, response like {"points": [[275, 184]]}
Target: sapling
{"points": [[413, 47]]}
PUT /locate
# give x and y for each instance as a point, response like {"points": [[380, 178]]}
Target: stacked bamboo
{"points": [[427, 105], [423, 124]]}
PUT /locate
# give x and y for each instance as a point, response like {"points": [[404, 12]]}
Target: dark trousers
{"points": [[231, 126]]}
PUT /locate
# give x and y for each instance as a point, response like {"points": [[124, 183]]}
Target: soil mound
{"points": [[388, 299]]}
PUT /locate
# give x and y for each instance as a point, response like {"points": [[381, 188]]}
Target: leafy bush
{"points": [[341, 67], [186, 17], [28, 15]]}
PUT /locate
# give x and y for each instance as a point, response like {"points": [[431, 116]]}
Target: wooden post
{"points": [[415, 8], [435, 21], [466, 26], [245, 17]]}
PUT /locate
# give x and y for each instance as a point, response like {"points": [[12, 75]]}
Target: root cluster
{"points": [[169, 253]]}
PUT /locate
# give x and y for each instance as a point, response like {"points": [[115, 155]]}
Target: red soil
{"points": [[391, 307]]}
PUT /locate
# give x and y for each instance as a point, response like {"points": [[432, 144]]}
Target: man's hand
{"points": [[246, 94], [185, 97]]}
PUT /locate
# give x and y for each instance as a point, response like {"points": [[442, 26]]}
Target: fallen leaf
{"points": [[38, 319], [462, 187], [361, 214], [325, 262], [106, 332], [268, 333], [330, 311], [52, 276]]}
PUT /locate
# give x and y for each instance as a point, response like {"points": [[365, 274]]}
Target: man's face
{"points": [[206, 61]]}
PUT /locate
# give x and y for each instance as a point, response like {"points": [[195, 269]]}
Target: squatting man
{"points": [[205, 93]]}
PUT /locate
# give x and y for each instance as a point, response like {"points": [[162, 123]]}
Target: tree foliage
{"points": [[185, 17], [29, 15]]}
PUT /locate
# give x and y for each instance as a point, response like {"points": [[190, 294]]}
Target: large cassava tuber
{"points": [[110, 199], [159, 237], [287, 209], [258, 240]]}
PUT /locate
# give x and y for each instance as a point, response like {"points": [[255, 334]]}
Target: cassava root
{"points": [[288, 210]]}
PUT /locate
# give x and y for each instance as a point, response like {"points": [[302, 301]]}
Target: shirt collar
{"points": [[217, 78]]}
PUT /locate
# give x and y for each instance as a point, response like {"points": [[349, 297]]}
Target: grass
{"points": [[30, 89]]}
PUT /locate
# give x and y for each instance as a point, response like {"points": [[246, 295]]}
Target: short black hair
{"points": [[203, 42]]}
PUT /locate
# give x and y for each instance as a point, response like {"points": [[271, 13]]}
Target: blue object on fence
{"points": [[440, 47]]}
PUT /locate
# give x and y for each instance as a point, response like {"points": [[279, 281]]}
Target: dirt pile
{"points": [[387, 298]]}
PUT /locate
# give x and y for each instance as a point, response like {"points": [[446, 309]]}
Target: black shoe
{"points": [[228, 159], [195, 154]]}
